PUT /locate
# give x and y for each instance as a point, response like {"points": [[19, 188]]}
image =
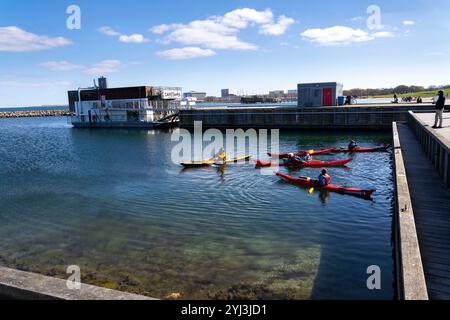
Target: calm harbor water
{"points": [[113, 203]]}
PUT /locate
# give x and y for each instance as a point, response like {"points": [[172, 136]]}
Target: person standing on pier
{"points": [[440, 104]]}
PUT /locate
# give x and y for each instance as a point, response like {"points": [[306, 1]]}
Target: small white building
{"points": [[323, 94]]}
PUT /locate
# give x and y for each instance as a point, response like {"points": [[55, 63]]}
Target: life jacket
{"points": [[324, 178]]}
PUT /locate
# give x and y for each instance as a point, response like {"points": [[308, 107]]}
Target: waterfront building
{"points": [[127, 106]]}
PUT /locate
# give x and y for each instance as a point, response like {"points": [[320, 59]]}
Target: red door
{"points": [[327, 97]]}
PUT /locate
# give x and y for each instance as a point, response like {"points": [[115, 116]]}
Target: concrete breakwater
{"points": [[34, 113], [365, 117]]}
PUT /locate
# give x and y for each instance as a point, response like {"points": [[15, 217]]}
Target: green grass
{"points": [[423, 94]]}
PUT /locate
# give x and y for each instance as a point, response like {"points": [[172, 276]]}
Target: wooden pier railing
{"points": [[411, 283], [434, 145]]}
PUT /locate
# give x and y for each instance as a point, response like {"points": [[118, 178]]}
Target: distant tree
{"points": [[401, 89], [416, 89]]}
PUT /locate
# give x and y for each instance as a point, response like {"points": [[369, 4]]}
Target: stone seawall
{"points": [[364, 117], [34, 113]]}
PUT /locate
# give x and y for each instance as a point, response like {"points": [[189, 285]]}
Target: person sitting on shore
{"points": [[352, 145], [419, 100], [395, 98], [324, 178], [440, 105]]}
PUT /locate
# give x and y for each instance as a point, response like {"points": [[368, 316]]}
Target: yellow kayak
{"points": [[207, 163]]}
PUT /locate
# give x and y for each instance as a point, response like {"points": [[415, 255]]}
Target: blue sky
{"points": [[250, 46]]}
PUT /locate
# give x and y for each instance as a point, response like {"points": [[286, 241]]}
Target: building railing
{"points": [[434, 145], [138, 105], [101, 119]]}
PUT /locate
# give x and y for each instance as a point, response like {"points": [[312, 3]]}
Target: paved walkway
{"points": [[429, 119], [431, 203]]}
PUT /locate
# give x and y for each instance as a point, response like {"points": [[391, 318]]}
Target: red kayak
{"points": [[302, 153], [308, 182], [309, 164], [346, 150]]}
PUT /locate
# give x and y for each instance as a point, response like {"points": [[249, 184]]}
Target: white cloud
{"points": [[383, 34], [186, 53], [210, 34], [134, 38], [359, 18], [279, 28], [100, 68], [221, 32], [408, 23], [61, 66], [163, 28], [336, 35], [109, 31], [341, 35], [104, 67], [240, 18], [14, 39]]}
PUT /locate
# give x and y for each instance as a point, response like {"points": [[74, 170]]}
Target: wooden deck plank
{"points": [[431, 203]]}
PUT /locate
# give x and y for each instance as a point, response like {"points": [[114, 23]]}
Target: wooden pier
{"points": [[425, 153]]}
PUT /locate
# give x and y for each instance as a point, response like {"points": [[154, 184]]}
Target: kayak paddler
{"points": [[293, 159], [221, 156], [352, 145], [324, 178], [308, 157]]}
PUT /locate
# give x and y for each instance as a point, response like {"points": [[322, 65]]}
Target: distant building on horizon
{"points": [[225, 93], [201, 96], [276, 93]]}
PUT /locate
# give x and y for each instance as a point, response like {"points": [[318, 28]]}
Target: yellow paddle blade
{"points": [[311, 151], [311, 191]]}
